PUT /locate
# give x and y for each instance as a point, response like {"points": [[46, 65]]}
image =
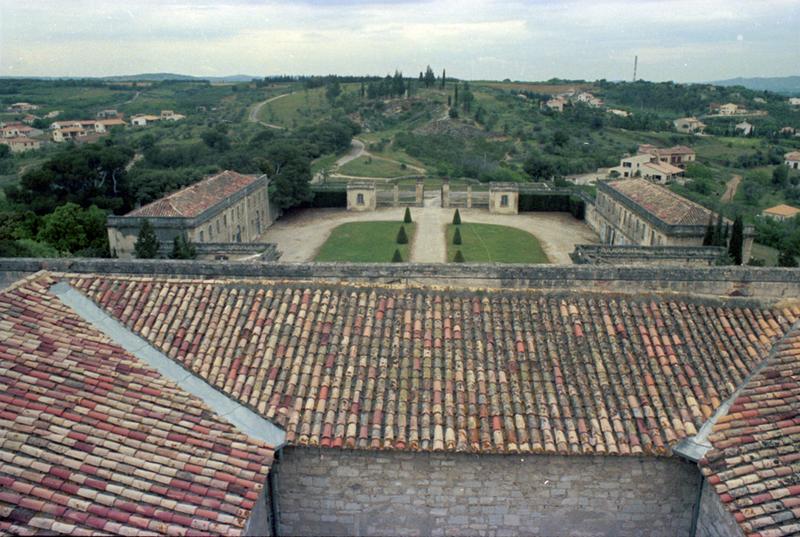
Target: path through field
{"points": [[253, 117], [731, 187]]}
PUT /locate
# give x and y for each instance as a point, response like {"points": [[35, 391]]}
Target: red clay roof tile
{"points": [[79, 417], [754, 460], [391, 368]]}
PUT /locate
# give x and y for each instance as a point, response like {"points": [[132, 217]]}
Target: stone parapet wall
{"points": [[338, 492], [600, 254], [763, 283]]}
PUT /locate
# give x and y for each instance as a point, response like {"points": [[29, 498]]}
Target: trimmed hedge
{"points": [[539, 202], [327, 198]]}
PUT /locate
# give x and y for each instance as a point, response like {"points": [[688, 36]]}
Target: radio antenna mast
{"points": [[635, 64]]}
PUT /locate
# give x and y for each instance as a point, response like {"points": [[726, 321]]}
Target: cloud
{"points": [[675, 39]]}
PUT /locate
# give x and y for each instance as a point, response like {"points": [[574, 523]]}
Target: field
{"points": [[374, 167], [298, 107], [489, 243], [365, 242]]}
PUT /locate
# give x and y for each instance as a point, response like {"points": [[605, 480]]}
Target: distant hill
{"points": [[787, 85], [157, 77], [150, 77]]}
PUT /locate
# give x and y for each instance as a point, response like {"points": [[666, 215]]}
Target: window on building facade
{"points": [[359, 199], [504, 200], [201, 236]]}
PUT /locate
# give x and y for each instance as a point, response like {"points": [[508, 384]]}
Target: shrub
{"points": [[457, 218], [402, 238], [146, 246], [407, 216], [457, 237], [397, 258], [459, 257]]}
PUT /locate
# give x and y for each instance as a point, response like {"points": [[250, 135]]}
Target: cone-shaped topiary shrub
{"points": [[457, 237], [457, 218], [397, 258], [407, 216], [402, 238], [459, 257]]}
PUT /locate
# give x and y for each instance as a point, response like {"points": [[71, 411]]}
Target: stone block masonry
{"points": [[714, 519], [335, 492]]}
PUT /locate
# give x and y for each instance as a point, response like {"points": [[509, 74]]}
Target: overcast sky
{"points": [[682, 40]]}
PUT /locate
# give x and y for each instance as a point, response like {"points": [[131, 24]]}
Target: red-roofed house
{"points": [[227, 207], [21, 144], [678, 155]]}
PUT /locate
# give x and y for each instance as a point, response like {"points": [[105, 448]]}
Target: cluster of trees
{"points": [[783, 236], [389, 86], [60, 208]]}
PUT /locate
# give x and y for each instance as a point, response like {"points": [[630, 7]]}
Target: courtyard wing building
{"points": [[298, 402], [225, 208], [638, 212]]}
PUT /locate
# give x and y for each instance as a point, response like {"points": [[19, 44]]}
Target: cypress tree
{"points": [[397, 258], [786, 258], [407, 216], [146, 246], [457, 236], [708, 238], [444, 77], [737, 241], [402, 238], [457, 218], [718, 240], [459, 257]]}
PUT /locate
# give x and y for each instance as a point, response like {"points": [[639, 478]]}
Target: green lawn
{"points": [[365, 242], [482, 243], [374, 167]]}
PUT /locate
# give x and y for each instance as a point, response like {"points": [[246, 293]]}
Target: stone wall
{"points": [[260, 521], [713, 519], [767, 284], [335, 492], [601, 254]]}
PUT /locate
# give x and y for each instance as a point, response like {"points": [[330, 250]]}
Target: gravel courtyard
{"points": [[299, 235]]}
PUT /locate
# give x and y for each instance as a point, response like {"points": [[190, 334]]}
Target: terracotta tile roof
{"points": [[93, 441], [476, 371], [782, 210], [792, 155], [754, 464], [662, 202], [663, 167], [194, 199]]}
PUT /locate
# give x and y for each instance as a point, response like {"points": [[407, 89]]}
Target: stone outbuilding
{"points": [[225, 208]]}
